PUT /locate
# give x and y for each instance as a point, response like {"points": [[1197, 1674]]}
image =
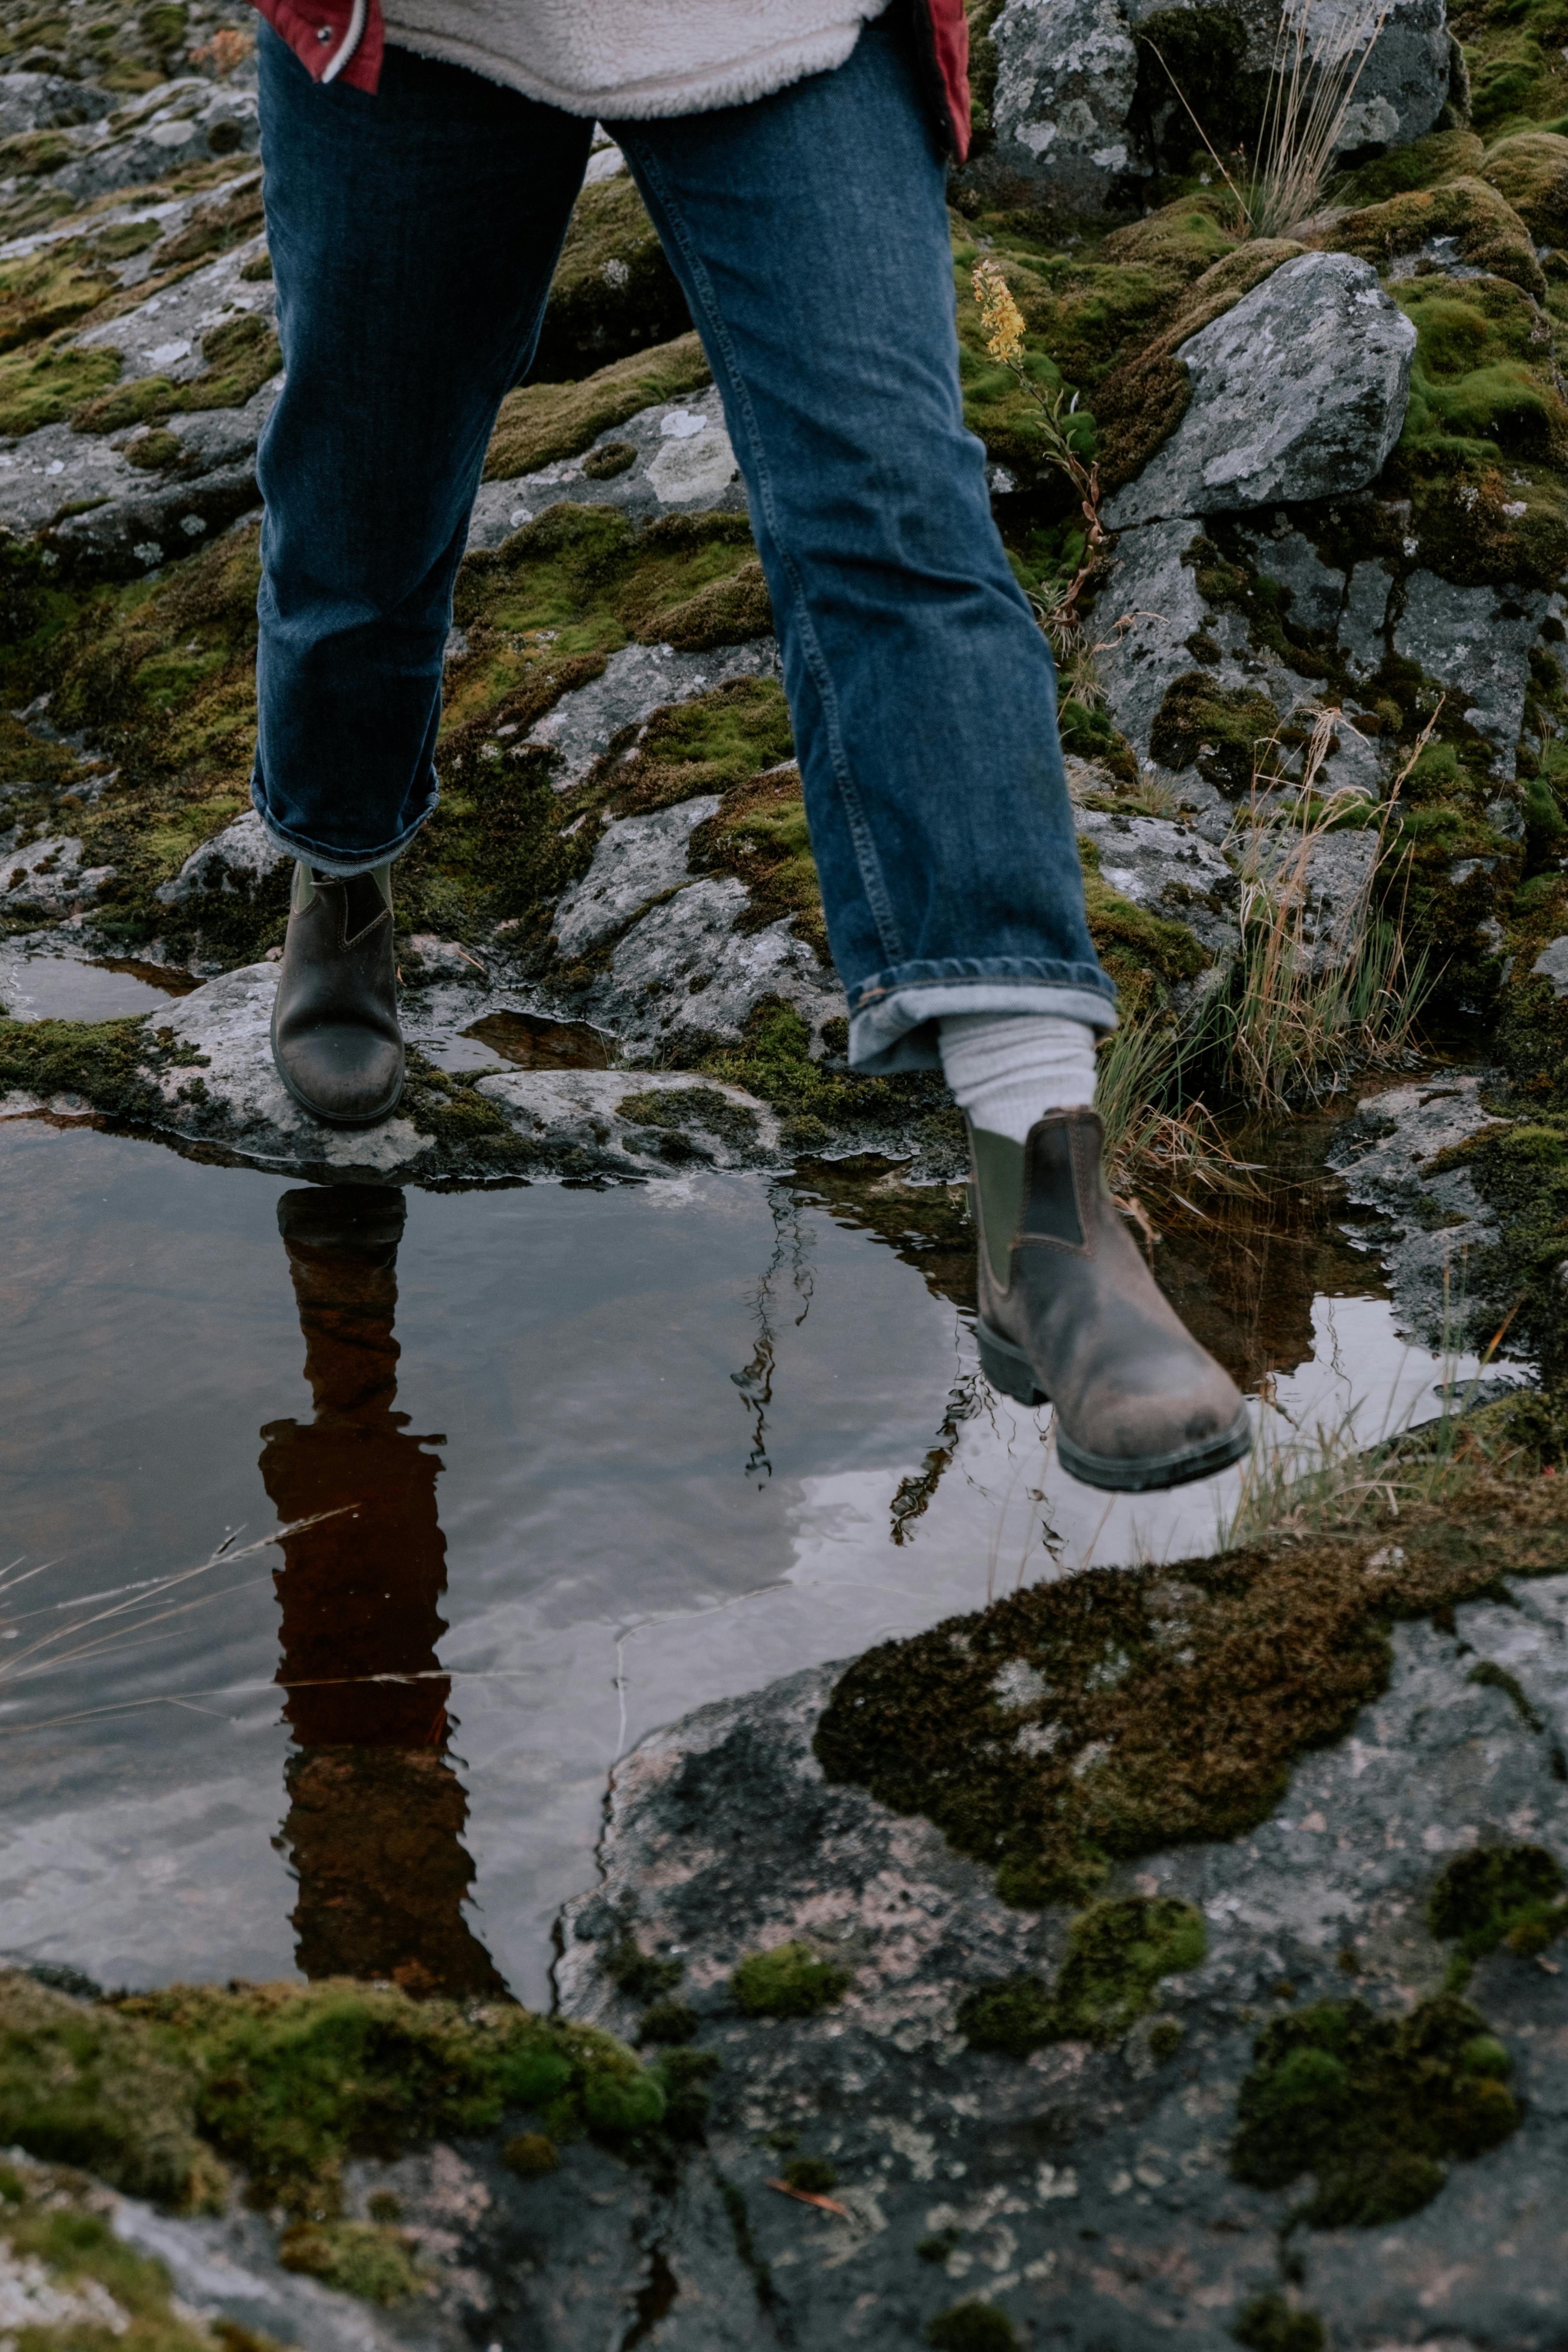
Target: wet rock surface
{"points": [[1395, 1159]]}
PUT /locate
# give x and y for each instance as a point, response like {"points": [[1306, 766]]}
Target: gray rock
{"points": [[162, 336], [1330, 887], [1170, 869], [635, 682], [675, 469], [1433, 1222], [1086, 2191], [177, 125], [1067, 74], [48, 878], [44, 102], [689, 964], [1065, 83], [638, 858], [1553, 965], [1146, 613], [1298, 393], [1475, 643], [233, 861]]}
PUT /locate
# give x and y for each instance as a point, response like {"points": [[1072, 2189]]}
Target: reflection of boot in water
{"points": [[376, 1813]]}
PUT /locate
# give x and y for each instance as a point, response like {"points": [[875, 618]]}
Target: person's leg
{"points": [[413, 235], [810, 233]]}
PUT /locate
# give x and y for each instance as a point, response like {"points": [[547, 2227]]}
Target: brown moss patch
{"points": [[541, 423], [1158, 1706]]}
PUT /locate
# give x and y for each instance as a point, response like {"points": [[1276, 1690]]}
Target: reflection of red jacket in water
{"points": [[348, 36], [376, 1813]]}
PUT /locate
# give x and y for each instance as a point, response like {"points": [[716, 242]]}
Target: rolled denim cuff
{"points": [[899, 1031], [337, 865]]}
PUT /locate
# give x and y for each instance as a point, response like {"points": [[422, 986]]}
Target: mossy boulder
{"points": [[1141, 404], [1374, 2107], [1486, 231], [1225, 731], [1482, 384], [1425, 162], [1530, 172]]}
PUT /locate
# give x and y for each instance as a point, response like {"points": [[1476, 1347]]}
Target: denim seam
{"points": [[866, 856]]}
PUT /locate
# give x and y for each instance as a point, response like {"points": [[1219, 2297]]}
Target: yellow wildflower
{"points": [[999, 314]]}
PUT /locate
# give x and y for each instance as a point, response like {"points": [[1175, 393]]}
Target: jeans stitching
{"points": [[866, 857]]}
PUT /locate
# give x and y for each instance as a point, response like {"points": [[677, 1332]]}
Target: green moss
{"points": [[1478, 376], [1530, 172], [717, 742], [42, 383], [971, 2327], [613, 293], [541, 423], [362, 2258], [1496, 1895], [684, 2076], [293, 2079], [529, 2155], [1140, 950], [1223, 732], [1424, 164], [773, 1061], [48, 2215], [1117, 1953], [609, 460], [43, 292], [1372, 2107], [669, 2021], [812, 2173], [103, 1062], [790, 1980], [1488, 233], [680, 1108], [241, 353], [1268, 2323], [1171, 1703], [85, 2086]]}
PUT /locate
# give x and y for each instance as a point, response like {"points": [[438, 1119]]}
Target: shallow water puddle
{"points": [[561, 1464], [45, 987]]}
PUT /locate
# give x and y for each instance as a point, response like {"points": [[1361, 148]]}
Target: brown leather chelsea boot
{"points": [[1069, 1314], [335, 1037]]}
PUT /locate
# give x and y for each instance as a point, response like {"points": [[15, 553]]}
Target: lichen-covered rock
{"points": [[1298, 393], [635, 682], [1476, 641], [1066, 75], [48, 878], [234, 860], [1071, 111], [1168, 869], [1087, 2190], [1436, 1219]]}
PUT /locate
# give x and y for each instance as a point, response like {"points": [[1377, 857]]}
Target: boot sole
{"points": [[326, 1117], [1009, 1369]]}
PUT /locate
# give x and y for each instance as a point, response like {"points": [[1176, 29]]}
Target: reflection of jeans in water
{"points": [[375, 1813], [413, 235]]}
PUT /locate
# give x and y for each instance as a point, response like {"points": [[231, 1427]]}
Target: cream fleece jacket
{"points": [[635, 57]]}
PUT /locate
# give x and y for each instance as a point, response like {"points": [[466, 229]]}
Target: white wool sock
{"points": [[1008, 1069]]}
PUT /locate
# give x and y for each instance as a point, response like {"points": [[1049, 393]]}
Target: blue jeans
{"points": [[413, 235]]}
